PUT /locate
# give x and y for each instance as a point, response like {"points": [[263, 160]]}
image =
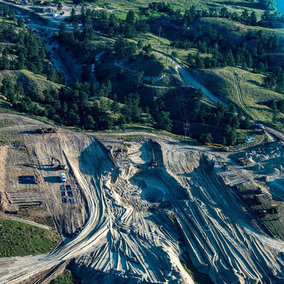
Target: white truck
{"points": [[62, 177]]}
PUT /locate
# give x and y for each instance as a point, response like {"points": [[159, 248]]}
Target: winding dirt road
{"points": [[191, 81]]}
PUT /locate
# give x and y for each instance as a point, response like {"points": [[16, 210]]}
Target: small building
{"points": [[27, 179]]}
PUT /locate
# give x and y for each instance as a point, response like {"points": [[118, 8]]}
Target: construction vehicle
{"points": [[242, 161], [62, 177], [261, 213], [43, 130], [256, 201], [259, 190], [217, 146], [59, 166], [274, 209], [224, 167], [153, 162]]}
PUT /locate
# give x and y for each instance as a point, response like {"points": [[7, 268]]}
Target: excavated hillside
{"points": [[137, 221]]}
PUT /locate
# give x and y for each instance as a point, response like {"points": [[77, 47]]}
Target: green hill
{"points": [[29, 78]]}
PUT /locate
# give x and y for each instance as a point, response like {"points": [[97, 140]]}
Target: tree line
{"points": [[21, 49]]}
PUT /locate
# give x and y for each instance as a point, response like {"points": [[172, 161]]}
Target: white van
{"points": [[62, 177]]}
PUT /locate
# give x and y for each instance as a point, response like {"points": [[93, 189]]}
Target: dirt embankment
{"points": [[3, 157]]}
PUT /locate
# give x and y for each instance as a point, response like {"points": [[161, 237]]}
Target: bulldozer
{"points": [[217, 146], [153, 161], [59, 166], [43, 130], [242, 161], [224, 167]]}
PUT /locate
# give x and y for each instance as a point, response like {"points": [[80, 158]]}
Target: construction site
{"points": [[144, 211]]}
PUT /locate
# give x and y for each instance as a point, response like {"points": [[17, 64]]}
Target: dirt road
{"points": [[278, 134], [191, 81], [127, 234]]}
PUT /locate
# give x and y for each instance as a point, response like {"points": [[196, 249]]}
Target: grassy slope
{"points": [[28, 77], [238, 4], [65, 278], [19, 239], [223, 82]]}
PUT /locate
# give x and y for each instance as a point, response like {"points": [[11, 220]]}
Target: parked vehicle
{"points": [[62, 177]]}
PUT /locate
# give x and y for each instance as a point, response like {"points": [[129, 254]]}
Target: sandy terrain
{"points": [[121, 223]]}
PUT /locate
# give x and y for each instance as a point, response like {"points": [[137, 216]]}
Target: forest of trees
{"points": [[109, 24], [268, 4], [225, 120], [20, 49], [84, 105], [254, 51]]}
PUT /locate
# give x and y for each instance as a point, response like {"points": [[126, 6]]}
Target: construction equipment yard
{"points": [[145, 210]]}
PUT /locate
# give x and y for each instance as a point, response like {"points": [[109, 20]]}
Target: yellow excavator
{"points": [[153, 162], [59, 166]]}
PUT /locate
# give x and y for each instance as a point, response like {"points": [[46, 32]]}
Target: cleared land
{"points": [[149, 223]]}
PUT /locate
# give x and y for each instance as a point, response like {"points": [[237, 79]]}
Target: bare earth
{"points": [[119, 228]]}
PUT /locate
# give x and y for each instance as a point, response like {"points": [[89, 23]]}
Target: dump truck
{"points": [[43, 130]]}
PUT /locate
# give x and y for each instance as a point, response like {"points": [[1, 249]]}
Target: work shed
{"points": [[27, 179]]}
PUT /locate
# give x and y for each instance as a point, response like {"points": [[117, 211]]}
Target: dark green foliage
{"points": [[23, 50], [185, 104], [268, 4], [123, 47], [255, 51], [206, 137], [65, 278], [163, 120], [277, 105], [132, 111], [161, 7], [108, 24], [7, 13], [161, 116]]}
